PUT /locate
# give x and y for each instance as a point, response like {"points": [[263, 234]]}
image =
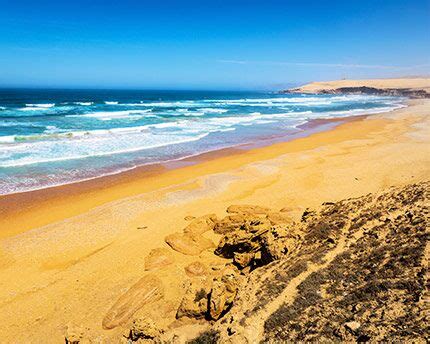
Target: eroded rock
{"points": [[279, 218], [248, 209], [188, 243], [158, 258], [201, 224], [223, 293], [229, 223], [74, 334], [194, 304], [196, 269], [144, 328], [147, 290]]}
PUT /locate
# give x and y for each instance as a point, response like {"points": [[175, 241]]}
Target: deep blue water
{"points": [[52, 137]]}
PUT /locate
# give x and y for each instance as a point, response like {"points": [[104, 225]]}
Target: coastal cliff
{"points": [[405, 87]]}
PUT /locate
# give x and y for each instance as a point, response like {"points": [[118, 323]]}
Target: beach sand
{"points": [[94, 238]]}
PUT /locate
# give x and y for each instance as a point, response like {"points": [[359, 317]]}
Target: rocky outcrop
{"points": [[356, 272], [147, 290], [143, 328], [201, 224], [189, 243], [352, 270], [223, 293], [194, 304]]}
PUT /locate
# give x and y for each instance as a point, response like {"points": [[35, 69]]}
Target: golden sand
{"points": [[94, 238]]}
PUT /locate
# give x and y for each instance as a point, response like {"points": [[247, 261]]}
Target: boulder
{"points": [[158, 258], [74, 334], [248, 209], [143, 328], [279, 218], [188, 243], [194, 304], [242, 260], [239, 242], [196, 269], [229, 224], [352, 326], [147, 290], [256, 243], [201, 224], [223, 293]]}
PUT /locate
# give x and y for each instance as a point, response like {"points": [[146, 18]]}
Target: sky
{"points": [[213, 44]]}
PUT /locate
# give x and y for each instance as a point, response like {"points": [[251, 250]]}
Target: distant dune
{"points": [[413, 87]]}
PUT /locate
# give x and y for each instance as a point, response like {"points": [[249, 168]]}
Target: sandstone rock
{"points": [[188, 243], [189, 218], [194, 304], [147, 290], [196, 269], [239, 242], [229, 224], [256, 237], [157, 258], [279, 218], [144, 328], [243, 259], [74, 334], [256, 225], [352, 326], [223, 293], [201, 224], [248, 209]]}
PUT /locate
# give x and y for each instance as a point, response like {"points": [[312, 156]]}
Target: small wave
{"points": [[49, 105], [111, 102], [111, 115], [179, 104], [84, 103], [213, 110]]}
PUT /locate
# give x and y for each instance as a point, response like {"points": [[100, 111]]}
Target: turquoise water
{"points": [[53, 137]]}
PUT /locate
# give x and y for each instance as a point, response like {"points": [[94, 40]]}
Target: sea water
{"points": [[54, 137]]}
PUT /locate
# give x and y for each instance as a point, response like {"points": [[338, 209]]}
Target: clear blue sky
{"points": [[209, 44]]}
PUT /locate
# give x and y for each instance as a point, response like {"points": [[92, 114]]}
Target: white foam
{"points": [[49, 105], [7, 139], [89, 146], [111, 115], [213, 110], [84, 103], [111, 103]]}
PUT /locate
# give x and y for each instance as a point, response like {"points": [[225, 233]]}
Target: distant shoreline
{"points": [[14, 204]]}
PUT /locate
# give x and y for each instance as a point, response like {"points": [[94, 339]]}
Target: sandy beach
{"points": [[66, 256]]}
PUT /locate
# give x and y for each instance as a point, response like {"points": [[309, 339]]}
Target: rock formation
{"points": [[352, 270], [189, 243], [147, 290], [158, 258]]}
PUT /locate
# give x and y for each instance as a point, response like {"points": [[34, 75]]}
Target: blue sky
{"points": [[209, 44]]}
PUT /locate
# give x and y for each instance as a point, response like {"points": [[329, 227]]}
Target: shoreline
{"points": [[26, 203]]}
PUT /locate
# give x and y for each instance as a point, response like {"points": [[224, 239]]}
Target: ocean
{"points": [[54, 137]]}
